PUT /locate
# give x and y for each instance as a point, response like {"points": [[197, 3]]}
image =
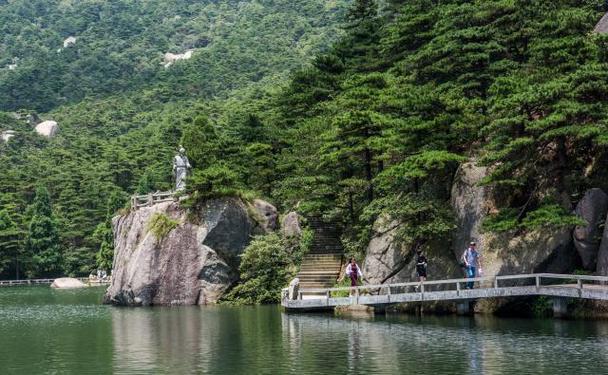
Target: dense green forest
{"points": [[376, 124], [121, 113]]}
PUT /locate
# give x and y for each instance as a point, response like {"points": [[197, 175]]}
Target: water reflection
{"points": [[42, 331], [221, 340]]}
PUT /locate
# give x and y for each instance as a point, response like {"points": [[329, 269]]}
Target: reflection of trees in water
{"points": [[263, 340], [159, 339]]}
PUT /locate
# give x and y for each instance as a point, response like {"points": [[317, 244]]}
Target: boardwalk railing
{"points": [[85, 280], [559, 285], [151, 199]]}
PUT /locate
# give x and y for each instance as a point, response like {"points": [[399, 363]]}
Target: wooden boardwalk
{"points": [[541, 284], [86, 280]]}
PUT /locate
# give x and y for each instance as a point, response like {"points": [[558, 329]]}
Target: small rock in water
{"points": [[67, 283]]}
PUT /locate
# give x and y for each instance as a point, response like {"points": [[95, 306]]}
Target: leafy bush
{"points": [[160, 225], [267, 266]]}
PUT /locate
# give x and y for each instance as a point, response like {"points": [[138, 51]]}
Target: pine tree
{"points": [[43, 238], [10, 243]]}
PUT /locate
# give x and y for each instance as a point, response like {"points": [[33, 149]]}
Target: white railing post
{"points": [[422, 290], [537, 280], [458, 288], [495, 282]]}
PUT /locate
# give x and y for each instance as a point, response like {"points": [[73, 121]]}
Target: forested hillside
{"points": [[119, 46], [376, 125], [416, 89], [121, 112]]}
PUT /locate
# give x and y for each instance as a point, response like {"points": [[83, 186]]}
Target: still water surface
{"points": [[44, 331]]}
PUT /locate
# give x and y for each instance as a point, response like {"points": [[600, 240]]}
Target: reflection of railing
{"points": [[151, 199], [570, 286], [85, 280]]}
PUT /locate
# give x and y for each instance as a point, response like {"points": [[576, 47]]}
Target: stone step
{"points": [[319, 267], [319, 279], [324, 265], [322, 257]]}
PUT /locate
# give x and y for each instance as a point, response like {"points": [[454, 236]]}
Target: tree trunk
{"points": [[369, 175]]}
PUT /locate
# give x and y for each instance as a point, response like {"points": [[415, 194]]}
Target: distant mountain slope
{"points": [[54, 52]]}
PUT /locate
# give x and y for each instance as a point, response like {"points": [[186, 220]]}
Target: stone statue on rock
{"points": [[181, 168]]}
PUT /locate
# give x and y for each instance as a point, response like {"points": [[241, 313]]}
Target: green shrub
{"points": [[160, 225], [265, 269]]}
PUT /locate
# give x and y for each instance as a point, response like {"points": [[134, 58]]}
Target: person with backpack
{"points": [[470, 258]]}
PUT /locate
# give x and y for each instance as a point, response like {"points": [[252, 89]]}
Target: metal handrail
{"points": [[494, 279]]}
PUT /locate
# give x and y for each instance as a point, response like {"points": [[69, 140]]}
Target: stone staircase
{"points": [[321, 267]]}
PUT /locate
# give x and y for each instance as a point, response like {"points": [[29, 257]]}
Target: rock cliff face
{"points": [[388, 261], [194, 264], [543, 250], [592, 209]]}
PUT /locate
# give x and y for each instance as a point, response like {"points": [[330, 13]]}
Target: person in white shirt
{"points": [[354, 272]]}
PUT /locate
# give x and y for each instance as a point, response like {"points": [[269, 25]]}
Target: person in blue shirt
{"points": [[471, 262]]}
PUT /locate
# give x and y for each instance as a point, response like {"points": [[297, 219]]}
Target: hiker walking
{"points": [[470, 258], [354, 272], [421, 264]]}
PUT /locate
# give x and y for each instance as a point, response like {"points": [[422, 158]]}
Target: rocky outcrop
{"points": [[470, 203], [602, 26], [387, 260], [602, 255], [170, 58], [290, 225], [6, 135], [592, 209], [542, 250], [69, 41], [267, 214], [67, 283], [195, 263], [47, 128]]}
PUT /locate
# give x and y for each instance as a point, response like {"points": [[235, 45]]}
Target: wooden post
{"points": [[495, 282], [537, 278], [458, 288]]}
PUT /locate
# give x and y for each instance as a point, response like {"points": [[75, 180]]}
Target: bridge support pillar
{"points": [[463, 307], [560, 307]]}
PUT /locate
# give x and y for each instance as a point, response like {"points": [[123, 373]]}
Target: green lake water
{"points": [[45, 331]]}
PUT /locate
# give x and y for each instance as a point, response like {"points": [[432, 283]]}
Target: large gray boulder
{"points": [[471, 204], [194, 264], [388, 260], [592, 209], [290, 225], [266, 215], [47, 128], [602, 26], [602, 255], [67, 283], [541, 250]]}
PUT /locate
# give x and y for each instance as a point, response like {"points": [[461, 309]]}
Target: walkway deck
{"points": [[86, 280], [542, 284]]}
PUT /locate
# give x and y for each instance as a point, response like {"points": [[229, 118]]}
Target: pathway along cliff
{"points": [[166, 255]]}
